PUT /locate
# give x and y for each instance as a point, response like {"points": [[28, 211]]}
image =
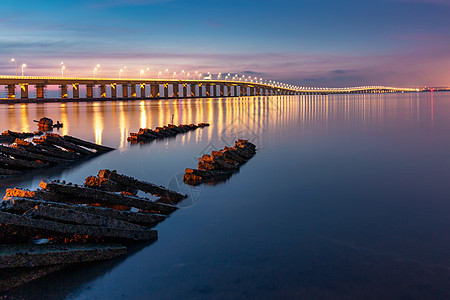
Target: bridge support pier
{"points": [[113, 90], [142, 90], [133, 90], [40, 90], [166, 90], [200, 90], [124, 90], [11, 91], [185, 90], [102, 91], [75, 90], [24, 91], [175, 92], [193, 90], [89, 90], [154, 90], [63, 89]]}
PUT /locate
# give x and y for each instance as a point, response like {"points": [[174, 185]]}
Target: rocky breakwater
{"points": [[220, 165], [146, 134], [78, 223]]}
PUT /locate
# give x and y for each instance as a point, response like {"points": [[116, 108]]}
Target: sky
{"points": [[305, 42]]}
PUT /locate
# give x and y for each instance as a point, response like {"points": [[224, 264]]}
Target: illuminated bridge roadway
{"points": [[159, 88]]}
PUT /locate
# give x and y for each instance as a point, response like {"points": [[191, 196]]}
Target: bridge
{"points": [[159, 88]]}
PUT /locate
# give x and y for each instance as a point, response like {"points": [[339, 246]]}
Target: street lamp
{"points": [[63, 69], [167, 71], [120, 73], [100, 68], [140, 74], [15, 62], [159, 73], [187, 76], [23, 66], [126, 68], [182, 72], [174, 73], [94, 72], [148, 69]]}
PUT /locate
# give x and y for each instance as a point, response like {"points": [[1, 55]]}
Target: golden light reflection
{"points": [[24, 118], [64, 119], [244, 116], [98, 123], [143, 119], [122, 127]]}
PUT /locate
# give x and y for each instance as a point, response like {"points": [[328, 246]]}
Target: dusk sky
{"points": [[304, 42]]}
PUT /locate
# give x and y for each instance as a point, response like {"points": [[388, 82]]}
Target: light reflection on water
{"points": [[347, 197]]}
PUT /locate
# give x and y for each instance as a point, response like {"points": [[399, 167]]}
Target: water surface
{"points": [[346, 198]]}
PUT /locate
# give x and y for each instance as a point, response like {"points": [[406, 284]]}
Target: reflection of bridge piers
{"points": [[180, 88]]}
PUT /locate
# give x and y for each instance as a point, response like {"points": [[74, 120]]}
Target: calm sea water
{"points": [[347, 198]]}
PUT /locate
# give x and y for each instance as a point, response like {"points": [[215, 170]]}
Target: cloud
{"points": [[417, 67]]}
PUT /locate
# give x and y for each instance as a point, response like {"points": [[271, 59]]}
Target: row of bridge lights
{"points": [[186, 75]]}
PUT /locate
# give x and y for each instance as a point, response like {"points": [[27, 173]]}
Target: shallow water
{"points": [[346, 198]]}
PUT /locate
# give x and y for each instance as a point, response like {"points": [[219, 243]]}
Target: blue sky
{"points": [[305, 42]]}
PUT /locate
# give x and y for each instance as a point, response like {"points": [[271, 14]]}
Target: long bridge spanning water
{"points": [[121, 88]]}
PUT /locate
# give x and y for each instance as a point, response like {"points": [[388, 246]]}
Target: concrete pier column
{"points": [[200, 90], [102, 91], [24, 90], [125, 90], [89, 90], [222, 90], [40, 90], [166, 90], [154, 90], [11, 91], [113, 90], [214, 90], [175, 93], [185, 90], [208, 90], [133, 90], [75, 90], [142, 90], [63, 89], [193, 89]]}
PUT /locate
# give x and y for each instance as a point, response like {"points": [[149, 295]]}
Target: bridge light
{"points": [[15, 63], [23, 66]]}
